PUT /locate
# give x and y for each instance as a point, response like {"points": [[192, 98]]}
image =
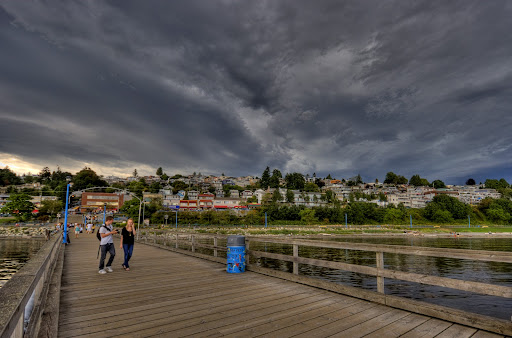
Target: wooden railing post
{"points": [[247, 252], [215, 242], [380, 266], [176, 240], [193, 246], [295, 256]]}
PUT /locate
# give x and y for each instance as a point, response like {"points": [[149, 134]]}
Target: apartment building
{"points": [[96, 200]]}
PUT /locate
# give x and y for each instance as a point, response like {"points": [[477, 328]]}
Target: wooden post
{"points": [[295, 256], [193, 247], [380, 265], [154, 237], [215, 242], [176, 240], [247, 252]]}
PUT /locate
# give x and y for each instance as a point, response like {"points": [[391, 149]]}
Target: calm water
{"points": [[14, 253], [486, 272]]}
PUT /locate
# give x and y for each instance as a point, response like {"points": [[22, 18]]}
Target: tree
{"points": [[155, 187], [394, 216], [135, 173], [496, 184], [137, 187], [328, 177], [438, 184], [265, 178], [131, 208], [19, 205], [417, 181], [401, 180], [295, 181], [274, 179], [330, 196], [391, 178], [308, 216], [442, 216], [503, 184], [8, 177], [51, 207], [45, 175], [470, 181], [164, 177], [159, 171], [290, 196], [178, 185], [276, 196], [311, 187], [28, 179], [497, 214], [87, 178], [443, 202]]}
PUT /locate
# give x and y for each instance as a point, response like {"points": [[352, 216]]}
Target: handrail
{"points": [[378, 271], [27, 286]]}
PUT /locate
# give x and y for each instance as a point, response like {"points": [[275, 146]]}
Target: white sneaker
{"points": [[109, 269], [102, 272]]}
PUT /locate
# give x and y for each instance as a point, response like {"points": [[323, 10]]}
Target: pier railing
{"points": [[22, 298], [209, 246]]}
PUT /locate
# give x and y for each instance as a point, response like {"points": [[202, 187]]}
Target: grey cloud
{"points": [[327, 86]]}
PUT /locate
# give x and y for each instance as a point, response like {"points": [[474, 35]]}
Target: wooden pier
{"points": [[168, 294]]}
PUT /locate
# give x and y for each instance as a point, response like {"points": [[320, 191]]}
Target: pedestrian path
{"points": [[168, 294]]}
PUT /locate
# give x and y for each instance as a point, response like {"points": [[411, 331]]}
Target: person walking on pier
{"points": [[107, 244], [127, 241], [77, 230]]}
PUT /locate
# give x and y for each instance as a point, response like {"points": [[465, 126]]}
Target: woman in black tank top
{"points": [[127, 241]]}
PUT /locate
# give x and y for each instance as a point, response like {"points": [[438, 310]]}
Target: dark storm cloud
{"points": [[224, 86]]}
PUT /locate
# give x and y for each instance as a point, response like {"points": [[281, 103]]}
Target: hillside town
{"points": [[200, 192]]}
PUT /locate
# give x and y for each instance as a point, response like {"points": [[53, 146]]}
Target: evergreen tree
{"points": [[274, 179], [470, 181], [265, 178]]}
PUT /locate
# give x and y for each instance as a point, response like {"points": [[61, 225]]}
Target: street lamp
{"points": [[65, 233]]}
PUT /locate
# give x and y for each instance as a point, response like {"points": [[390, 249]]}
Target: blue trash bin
{"points": [[236, 254]]}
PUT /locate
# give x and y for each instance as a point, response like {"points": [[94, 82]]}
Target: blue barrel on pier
{"points": [[236, 254]]}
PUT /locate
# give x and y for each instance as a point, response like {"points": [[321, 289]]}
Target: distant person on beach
{"points": [[89, 228], [127, 241], [107, 244]]}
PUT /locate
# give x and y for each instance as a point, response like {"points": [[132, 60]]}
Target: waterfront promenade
{"points": [[168, 294]]}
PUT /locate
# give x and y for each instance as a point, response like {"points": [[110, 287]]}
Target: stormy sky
{"points": [[325, 87]]}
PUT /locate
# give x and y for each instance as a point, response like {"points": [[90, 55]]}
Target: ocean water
{"points": [[14, 253], [486, 272]]}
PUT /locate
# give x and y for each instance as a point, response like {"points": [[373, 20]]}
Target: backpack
{"points": [[98, 236]]}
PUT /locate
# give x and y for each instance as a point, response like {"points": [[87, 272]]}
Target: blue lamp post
{"points": [[65, 234], [104, 212]]}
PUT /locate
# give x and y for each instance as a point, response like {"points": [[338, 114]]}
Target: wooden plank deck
{"points": [[168, 294]]}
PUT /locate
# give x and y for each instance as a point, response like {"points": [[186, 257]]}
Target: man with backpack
{"points": [[105, 233]]}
